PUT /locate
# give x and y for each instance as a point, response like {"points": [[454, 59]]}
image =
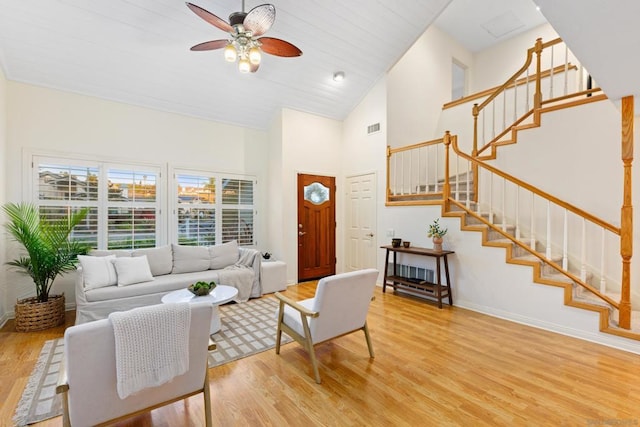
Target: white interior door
{"points": [[361, 222]]}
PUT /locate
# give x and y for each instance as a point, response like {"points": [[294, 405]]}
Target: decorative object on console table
{"points": [[437, 233], [396, 242], [50, 252], [406, 244]]}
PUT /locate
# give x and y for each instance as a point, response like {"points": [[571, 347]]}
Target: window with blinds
{"points": [[132, 208], [196, 212], [213, 208], [122, 202], [237, 210]]}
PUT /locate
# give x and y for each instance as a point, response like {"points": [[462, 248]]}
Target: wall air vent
{"points": [[373, 128]]}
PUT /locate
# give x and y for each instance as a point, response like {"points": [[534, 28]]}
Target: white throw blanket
{"points": [[152, 345]]}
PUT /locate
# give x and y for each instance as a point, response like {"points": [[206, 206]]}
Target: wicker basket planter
{"points": [[32, 315]]}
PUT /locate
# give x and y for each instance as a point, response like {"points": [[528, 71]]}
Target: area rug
{"points": [[247, 329]]}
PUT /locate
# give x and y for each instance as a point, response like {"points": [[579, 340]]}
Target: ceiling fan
{"points": [[245, 43]]}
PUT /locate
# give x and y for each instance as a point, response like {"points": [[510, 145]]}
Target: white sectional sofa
{"points": [[109, 281]]}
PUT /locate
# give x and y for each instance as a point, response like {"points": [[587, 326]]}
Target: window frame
{"points": [[31, 191], [218, 204]]}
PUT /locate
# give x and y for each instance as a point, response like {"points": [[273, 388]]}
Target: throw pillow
{"points": [[160, 259], [189, 259], [132, 270], [106, 252], [224, 255], [97, 272]]}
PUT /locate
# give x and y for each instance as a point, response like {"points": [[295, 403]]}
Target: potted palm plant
{"points": [[49, 253]]}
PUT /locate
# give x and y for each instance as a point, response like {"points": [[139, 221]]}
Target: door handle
{"points": [[301, 233], [370, 235]]}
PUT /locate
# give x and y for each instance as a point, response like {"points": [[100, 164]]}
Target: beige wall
{"points": [[52, 121], [418, 85], [310, 145], [3, 198]]}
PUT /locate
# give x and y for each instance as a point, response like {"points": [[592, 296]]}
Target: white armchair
{"points": [[88, 375], [339, 307]]}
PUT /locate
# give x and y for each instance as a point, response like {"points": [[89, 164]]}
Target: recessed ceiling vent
{"points": [[373, 128]]}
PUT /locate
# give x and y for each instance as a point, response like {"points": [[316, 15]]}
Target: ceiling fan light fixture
{"points": [[338, 76], [254, 55], [244, 66], [230, 53]]}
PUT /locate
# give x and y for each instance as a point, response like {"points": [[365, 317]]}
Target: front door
{"points": [[316, 226], [360, 248]]}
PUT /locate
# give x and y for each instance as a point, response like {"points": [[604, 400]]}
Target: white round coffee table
{"points": [[219, 295]]}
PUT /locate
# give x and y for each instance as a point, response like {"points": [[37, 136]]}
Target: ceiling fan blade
{"points": [[278, 47], [210, 18], [260, 19], [254, 67], [212, 45]]}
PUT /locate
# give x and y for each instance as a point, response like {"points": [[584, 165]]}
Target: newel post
{"points": [[474, 152], [388, 173], [626, 217], [537, 97], [446, 190]]}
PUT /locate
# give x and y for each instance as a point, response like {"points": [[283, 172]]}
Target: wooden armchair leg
{"points": [[207, 398], [368, 337]]}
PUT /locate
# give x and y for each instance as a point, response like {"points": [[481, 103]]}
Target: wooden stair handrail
{"points": [[535, 190]]}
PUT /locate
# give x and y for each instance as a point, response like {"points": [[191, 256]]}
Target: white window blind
{"points": [[213, 208], [122, 200], [196, 212]]}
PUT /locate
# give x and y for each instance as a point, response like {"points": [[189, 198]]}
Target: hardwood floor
{"points": [[432, 367]]}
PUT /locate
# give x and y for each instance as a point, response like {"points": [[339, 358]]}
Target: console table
{"points": [[436, 290]]}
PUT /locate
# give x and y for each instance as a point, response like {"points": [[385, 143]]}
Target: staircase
{"points": [[483, 197]]}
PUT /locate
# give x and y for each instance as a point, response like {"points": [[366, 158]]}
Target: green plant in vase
{"points": [[437, 233]]}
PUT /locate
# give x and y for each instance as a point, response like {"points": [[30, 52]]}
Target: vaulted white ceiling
{"points": [[137, 51]]}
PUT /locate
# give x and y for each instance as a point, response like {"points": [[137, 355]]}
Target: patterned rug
{"points": [[247, 329]]}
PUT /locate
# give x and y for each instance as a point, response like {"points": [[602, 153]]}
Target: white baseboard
{"points": [[4, 319], [597, 337]]}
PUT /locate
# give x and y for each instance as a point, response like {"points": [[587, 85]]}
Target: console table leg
{"points": [[446, 273], [438, 283]]}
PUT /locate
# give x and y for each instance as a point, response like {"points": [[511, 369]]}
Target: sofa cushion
{"points": [[223, 255], [98, 272], [189, 259], [160, 259], [132, 270], [117, 252], [160, 285]]}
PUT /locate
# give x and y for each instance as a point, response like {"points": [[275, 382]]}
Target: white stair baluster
{"points": [[457, 178], [548, 251], [504, 204], [515, 101], [532, 242], [437, 178], [504, 109], [411, 191], [491, 197], [468, 204], [565, 238], [426, 168], [395, 174], [566, 69], [402, 172], [551, 77], [493, 119], [603, 282], [583, 252], [484, 139], [518, 213], [419, 167], [526, 102]]}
